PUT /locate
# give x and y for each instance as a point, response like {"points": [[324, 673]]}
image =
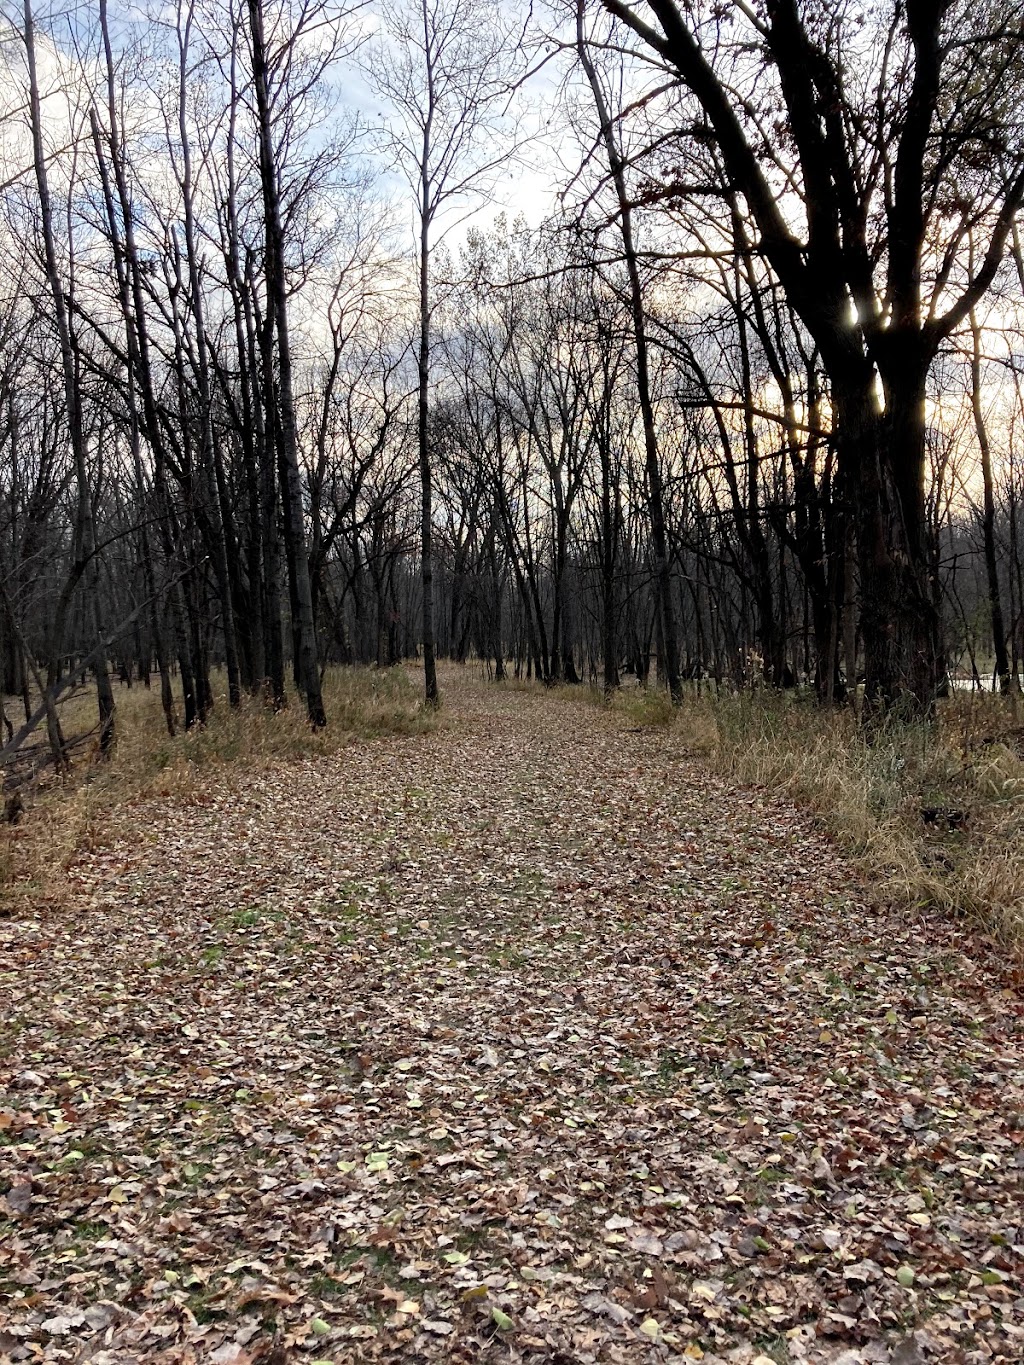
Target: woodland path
{"points": [[523, 1040]]}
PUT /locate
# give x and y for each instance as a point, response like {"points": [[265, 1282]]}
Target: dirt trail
{"points": [[527, 1039]]}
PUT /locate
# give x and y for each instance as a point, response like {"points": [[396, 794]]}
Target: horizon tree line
{"points": [[745, 405]]}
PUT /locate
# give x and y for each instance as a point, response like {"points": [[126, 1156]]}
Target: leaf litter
{"points": [[528, 1039]]}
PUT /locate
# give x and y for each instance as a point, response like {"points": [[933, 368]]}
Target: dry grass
{"points": [[931, 815], [87, 810]]}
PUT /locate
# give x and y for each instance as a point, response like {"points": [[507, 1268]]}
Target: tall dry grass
{"points": [[89, 808], [931, 814]]}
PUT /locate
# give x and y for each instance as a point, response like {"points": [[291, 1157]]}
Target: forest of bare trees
{"points": [[301, 363], [512, 682]]}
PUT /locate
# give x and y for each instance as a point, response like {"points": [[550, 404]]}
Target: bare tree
{"points": [[308, 668], [863, 210], [445, 69], [86, 564], [655, 494]]}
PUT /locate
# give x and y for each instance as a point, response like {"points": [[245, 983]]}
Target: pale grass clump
{"points": [[647, 707], [88, 810], [360, 703], [930, 814]]}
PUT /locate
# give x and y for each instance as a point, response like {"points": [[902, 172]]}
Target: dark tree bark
{"points": [[86, 564], [431, 692], [830, 283], [655, 491], [308, 668]]}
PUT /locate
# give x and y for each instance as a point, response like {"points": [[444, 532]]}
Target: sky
{"points": [[529, 184]]}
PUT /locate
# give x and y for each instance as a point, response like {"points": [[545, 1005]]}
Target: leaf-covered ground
{"points": [[522, 1040]]}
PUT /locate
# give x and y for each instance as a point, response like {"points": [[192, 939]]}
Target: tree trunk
{"points": [[988, 518], [431, 692], [86, 565], [899, 619], [277, 307], [668, 655]]}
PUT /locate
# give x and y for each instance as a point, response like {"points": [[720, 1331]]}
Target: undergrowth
{"points": [[83, 812], [931, 814]]}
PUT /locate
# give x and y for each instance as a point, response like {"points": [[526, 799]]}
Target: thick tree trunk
{"points": [[899, 620], [264, 414], [609, 608], [494, 603], [308, 669]]}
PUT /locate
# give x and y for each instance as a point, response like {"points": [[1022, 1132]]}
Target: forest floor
{"points": [[525, 1039]]}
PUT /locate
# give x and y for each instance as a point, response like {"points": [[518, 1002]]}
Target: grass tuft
{"points": [[648, 707]]}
